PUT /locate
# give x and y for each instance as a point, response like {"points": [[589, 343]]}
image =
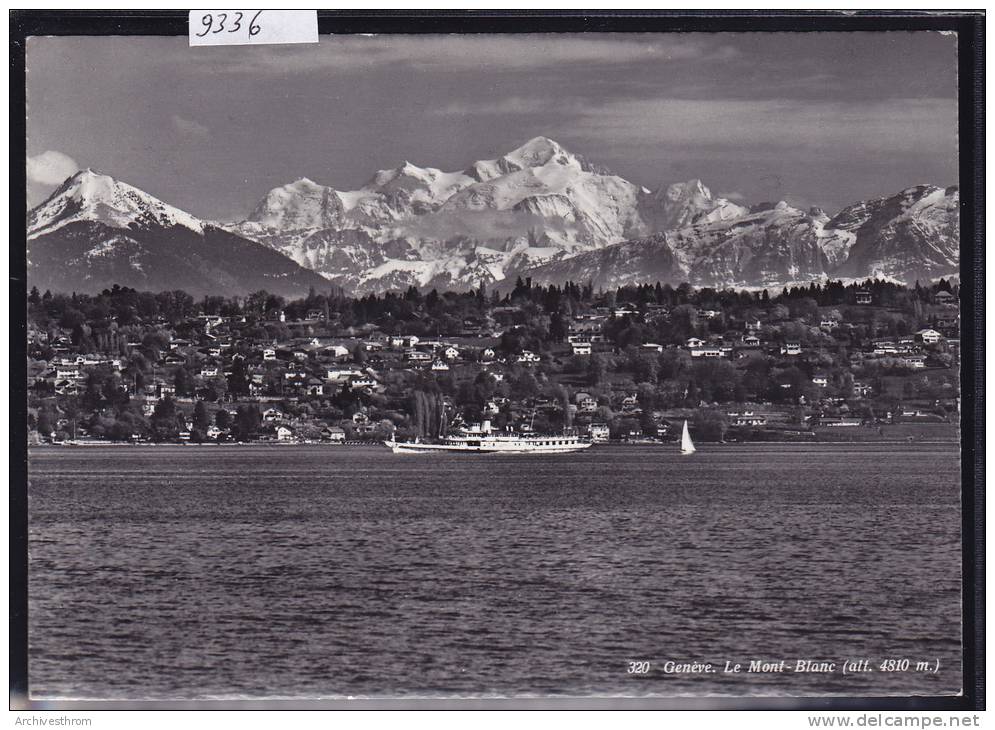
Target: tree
{"points": [[46, 424], [222, 419], [427, 413], [648, 423], [164, 420], [183, 381], [557, 328], [201, 418], [597, 370], [238, 383], [247, 421], [645, 369], [709, 425], [524, 385]]}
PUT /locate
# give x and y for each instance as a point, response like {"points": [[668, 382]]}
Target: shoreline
{"points": [[610, 444]]}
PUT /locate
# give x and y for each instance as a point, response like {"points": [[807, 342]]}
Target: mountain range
{"points": [[94, 232], [538, 211]]}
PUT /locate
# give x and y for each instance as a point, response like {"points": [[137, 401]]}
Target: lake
{"points": [[330, 571]]}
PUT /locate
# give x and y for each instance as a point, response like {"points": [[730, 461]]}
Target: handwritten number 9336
{"points": [[208, 21]]}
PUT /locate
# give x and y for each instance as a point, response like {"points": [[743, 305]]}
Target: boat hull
{"points": [[487, 448]]}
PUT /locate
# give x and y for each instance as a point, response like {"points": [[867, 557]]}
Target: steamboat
{"points": [[482, 439]]}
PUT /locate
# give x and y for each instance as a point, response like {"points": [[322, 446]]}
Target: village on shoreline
{"points": [[874, 361]]}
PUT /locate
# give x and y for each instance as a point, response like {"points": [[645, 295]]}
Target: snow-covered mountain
{"points": [[683, 204], [91, 197], [538, 211], [95, 231], [911, 235], [419, 225]]}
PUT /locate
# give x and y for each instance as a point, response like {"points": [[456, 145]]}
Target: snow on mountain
{"points": [[95, 231], [912, 235], [908, 236], [299, 205], [90, 196], [769, 244], [764, 246], [535, 203], [539, 210], [541, 205], [683, 204]]}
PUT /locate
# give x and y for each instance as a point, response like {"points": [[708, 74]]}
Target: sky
{"points": [[817, 119]]}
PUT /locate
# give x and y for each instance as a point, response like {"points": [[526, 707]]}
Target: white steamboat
{"points": [[482, 439]]}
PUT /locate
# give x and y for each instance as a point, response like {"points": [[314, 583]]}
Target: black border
{"points": [[969, 25]]}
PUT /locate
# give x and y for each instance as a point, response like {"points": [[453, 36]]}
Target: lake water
{"points": [[199, 572]]}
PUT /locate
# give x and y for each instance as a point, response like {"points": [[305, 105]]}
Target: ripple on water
{"points": [[197, 572]]}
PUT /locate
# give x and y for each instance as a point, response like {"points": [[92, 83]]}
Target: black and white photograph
{"points": [[522, 365]]}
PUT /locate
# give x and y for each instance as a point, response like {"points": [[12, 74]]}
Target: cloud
{"points": [[493, 52], [190, 127], [891, 126], [480, 225], [512, 105], [50, 168]]}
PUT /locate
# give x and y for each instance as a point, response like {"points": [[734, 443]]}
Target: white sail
{"points": [[687, 446]]}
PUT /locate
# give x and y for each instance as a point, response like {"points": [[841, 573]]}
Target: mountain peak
{"points": [[407, 169], [541, 142], [692, 190], [89, 196], [94, 185], [540, 151], [300, 204]]}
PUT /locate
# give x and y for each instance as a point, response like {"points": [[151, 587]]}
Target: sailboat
{"points": [[687, 446]]}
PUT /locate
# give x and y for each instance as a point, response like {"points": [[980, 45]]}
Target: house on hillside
{"points": [[400, 342], [598, 432], [839, 421], [417, 356], [585, 402], [707, 351], [340, 375], [861, 390], [358, 382], [335, 434], [747, 418]]}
